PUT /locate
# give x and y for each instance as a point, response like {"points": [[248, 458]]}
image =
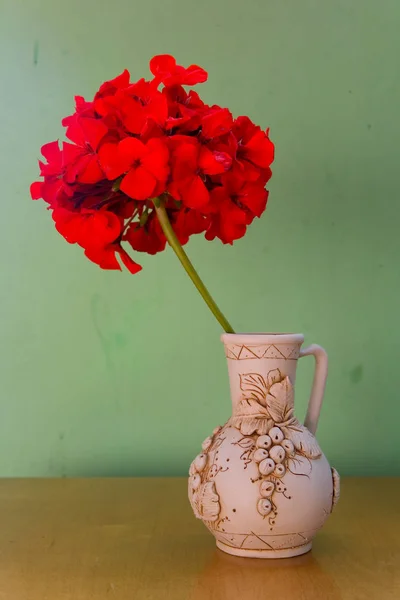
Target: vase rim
{"points": [[262, 338]]}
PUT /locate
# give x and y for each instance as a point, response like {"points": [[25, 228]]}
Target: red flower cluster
{"points": [[138, 141]]}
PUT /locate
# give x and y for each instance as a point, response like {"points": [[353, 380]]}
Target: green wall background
{"points": [[108, 374]]}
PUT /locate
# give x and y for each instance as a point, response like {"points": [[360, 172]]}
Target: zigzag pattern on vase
{"points": [[277, 351]]}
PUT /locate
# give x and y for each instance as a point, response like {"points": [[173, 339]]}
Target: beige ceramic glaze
{"points": [[261, 484]]}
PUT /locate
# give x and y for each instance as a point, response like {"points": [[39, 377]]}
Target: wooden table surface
{"points": [[136, 539]]}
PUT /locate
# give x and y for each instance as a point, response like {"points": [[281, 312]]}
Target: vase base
{"points": [[250, 553]]}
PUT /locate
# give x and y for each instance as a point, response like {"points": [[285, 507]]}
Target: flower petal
{"points": [[110, 161], [156, 159], [162, 63], [71, 153], [104, 257], [100, 228], [188, 222], [184, 160], [134, 115], [217, 122], [195, 194], [110, 87], [260, 150], [92, 172], [209, 164], [193, 75], [93, 131], [128, 262], [254, 197], [148, 238], [165, 69], [131, 149], [116, 159], [68, 224], [51, 151], [36, 190], [138, 184]]}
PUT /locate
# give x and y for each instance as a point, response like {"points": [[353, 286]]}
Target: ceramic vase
{"points": [[261, 483]]}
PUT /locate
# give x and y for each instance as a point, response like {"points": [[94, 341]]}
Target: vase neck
{"points": [[255, 362]]}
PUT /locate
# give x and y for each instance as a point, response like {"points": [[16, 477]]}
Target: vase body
{"points": [[261, 483]]}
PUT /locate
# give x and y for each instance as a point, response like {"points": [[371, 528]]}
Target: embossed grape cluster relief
{"points": [[273, 437], [202, 493], [271, 452]]}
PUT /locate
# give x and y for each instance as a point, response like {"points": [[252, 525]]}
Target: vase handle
{"points": [[318, 387]]}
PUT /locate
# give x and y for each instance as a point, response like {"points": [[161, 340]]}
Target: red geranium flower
{"points": [[166, 71], [82, 109], [138, 148], [54, 157], [187, 222], [191, 163], [233, 206], [184, 109], [134, 106], [80, 159], [110, 88], [52, 171], [146, 236], [106, 258], [98, 233], [254, 149], [216, 122], [145, 166]]}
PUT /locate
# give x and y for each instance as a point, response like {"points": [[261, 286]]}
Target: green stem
{"points": [[190, 270]]}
